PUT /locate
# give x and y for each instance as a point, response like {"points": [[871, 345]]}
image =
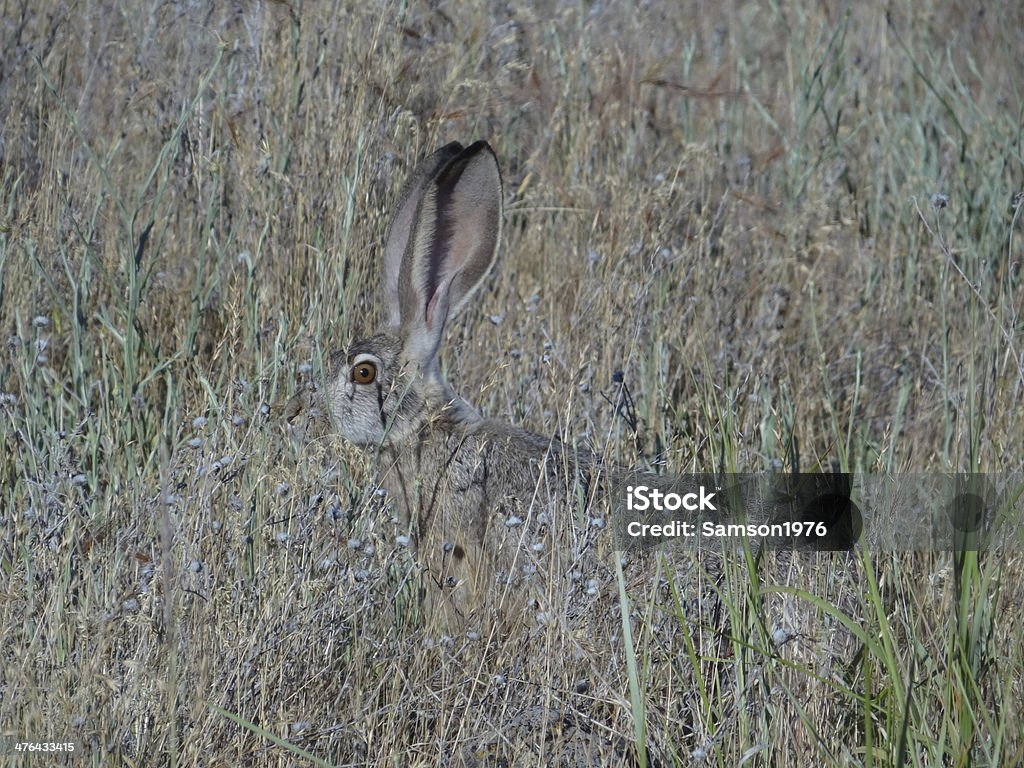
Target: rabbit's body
{"points": [[485, 502], [479, 496]]}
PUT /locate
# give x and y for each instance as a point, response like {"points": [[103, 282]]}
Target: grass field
{"points": [[795, 228]]}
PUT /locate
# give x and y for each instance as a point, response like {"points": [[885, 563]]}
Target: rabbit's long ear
{"points": [[400, 227], [453, 245]]}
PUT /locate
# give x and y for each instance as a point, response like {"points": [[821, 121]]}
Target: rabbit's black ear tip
{"points": [[478, 146], [451, 149]]}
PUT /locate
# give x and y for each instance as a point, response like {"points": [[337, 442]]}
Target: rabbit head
{"points": [[441, 242]]}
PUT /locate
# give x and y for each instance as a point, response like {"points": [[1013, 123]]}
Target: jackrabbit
{"points": [[481, 498]]}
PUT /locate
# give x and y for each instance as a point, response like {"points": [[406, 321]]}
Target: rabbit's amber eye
{"points": [[364, 372]]}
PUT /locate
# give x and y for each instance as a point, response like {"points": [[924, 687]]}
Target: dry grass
{"points": [[731, 203]]}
